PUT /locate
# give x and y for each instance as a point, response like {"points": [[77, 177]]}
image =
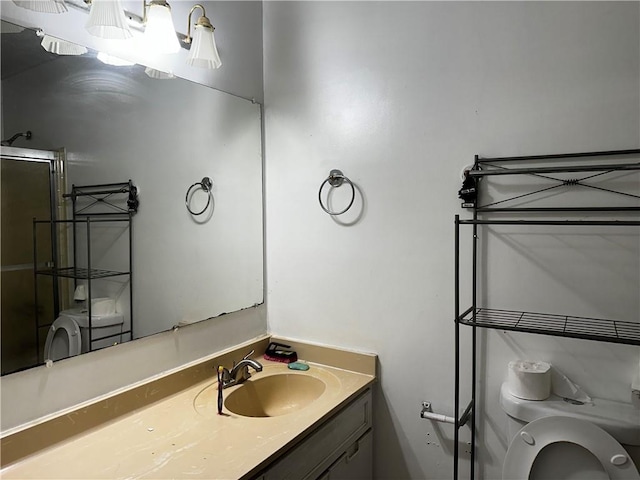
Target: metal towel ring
{"points": [[205, 185], [335, 179]]}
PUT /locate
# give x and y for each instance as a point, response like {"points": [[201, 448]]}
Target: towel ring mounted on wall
{"points": [[336, 179], [205, 185]]}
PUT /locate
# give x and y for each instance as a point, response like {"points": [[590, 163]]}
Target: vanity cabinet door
{"points": [[326, 444], [356, 463]]}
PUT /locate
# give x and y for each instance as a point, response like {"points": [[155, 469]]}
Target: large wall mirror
{"points": [[108, 124]]}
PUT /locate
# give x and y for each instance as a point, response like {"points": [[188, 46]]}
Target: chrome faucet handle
{"points": [[244, 372], [248, 355], [240, 371]]}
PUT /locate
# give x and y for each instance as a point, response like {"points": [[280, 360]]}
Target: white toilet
{"points": [[560, 440], [69, 334]]}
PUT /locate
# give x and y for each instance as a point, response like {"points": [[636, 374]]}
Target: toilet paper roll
{"points": [[529, 380]]}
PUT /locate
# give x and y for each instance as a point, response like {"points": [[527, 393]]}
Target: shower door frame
{"points": [[56, 159]]}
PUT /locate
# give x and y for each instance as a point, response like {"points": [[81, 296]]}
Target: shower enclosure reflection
{"points": [[118, 123], [20, 205]]}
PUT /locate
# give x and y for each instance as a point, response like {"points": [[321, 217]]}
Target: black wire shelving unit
{"points": [[522, 206], [110, 203], [614, 331]]}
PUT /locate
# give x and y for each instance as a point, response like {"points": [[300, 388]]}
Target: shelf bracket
{"points": [[466, 415]]}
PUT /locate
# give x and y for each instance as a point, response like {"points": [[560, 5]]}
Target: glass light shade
{"points": [[160, 34], [43, 6], [203, 53], [61, 47], [107, 20], [115, 61], [158, 74]]}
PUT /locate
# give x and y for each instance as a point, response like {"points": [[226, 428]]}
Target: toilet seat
{"points": [[64, 328], [535, 436]]}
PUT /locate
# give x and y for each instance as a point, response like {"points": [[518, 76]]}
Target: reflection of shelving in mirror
{"points": [[96, 209], [80, 273], [111, 199], [552, 324]]}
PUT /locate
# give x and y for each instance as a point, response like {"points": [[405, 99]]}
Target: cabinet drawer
{"points": [[326, 444], [356, 463]]}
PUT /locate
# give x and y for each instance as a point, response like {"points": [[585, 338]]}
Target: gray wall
{"points": [[401, 96]]}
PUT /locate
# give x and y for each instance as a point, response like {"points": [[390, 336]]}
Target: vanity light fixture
{"points": [[160, 33], [43, 6], [203, 52], [114, 61], [60, 47], [158, 74], [107, 20]]}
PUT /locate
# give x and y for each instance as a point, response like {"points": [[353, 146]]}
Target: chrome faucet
{"points": [[240, 371]]}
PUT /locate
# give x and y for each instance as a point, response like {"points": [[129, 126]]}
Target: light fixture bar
{"points": [[203, 20], [135, 21], [157, 28]]}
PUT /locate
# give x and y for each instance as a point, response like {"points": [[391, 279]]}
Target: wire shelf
{"points": [[80, 273], [558, 325], [556, 192]]}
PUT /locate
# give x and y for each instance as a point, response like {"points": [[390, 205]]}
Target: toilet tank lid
{"points": [[81, 317], [620, 420]]}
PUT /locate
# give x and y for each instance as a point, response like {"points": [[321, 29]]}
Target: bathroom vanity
{"points": [[316, 424]]}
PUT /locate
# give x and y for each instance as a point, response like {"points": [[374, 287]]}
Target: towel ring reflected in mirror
{"points": [[206, 184], [335, 179]]}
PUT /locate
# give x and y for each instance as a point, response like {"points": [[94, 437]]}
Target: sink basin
{"points": [[274, 395], [273, 392]]}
